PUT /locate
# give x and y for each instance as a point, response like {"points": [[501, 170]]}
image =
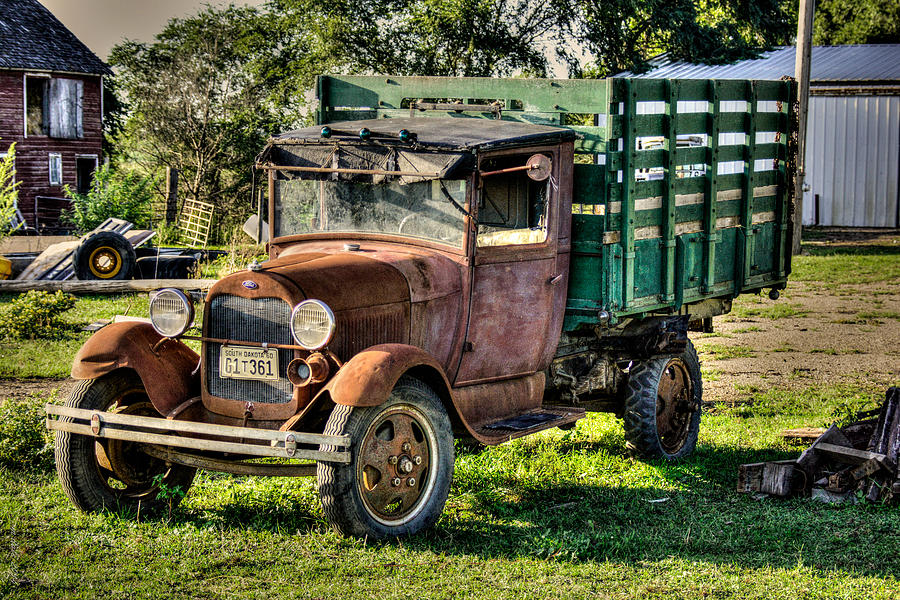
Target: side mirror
{"points": [[539, 167]]}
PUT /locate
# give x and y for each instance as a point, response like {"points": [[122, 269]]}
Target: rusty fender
{"points": [[368, 378], [168, 370]]}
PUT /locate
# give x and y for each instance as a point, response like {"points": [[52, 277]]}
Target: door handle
{"points": [[555, 279]]}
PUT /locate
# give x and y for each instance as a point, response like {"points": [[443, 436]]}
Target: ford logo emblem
{"points": [[250, 285]]}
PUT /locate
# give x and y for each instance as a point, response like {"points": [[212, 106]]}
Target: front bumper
{"points": [[226, 439]]}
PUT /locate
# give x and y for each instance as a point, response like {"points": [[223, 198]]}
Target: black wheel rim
{"points": [[675, 405]]}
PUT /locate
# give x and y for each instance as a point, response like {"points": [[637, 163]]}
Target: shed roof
{"points": [[870, 63], [32, 38]]}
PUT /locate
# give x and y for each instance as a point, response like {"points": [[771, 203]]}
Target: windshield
{"points": [[421, 209]]}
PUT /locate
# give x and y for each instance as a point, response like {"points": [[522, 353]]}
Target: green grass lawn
{"points": [[556, 515]]}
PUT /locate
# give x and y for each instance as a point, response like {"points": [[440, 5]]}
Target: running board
{"points": [[528, 422]]}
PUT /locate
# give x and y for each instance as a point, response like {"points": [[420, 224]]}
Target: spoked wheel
{"points": [[662, 406], [401, 466], [100, 473]]}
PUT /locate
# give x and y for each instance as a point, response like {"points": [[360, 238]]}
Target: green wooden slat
{"points": [[733, 181], [614, 191], [630, 132], [710, 206], [728, 208], [769, 150], [731, 89], [645, 189], [770, 121], [649, 90], [588, 184], [672, 89], [730, 153], [692, 156], [540, 95], [610, 276], [772, 90], [690, 185], [732, 122], [764, 178], [743, 266], [691, 123], [648, 125]]}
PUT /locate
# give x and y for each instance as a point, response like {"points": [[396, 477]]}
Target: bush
{"points": [[25, 442], [113, 194], [9, 192], [36, 315]]}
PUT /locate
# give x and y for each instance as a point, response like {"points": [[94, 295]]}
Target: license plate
{"points": [[241, 362]]}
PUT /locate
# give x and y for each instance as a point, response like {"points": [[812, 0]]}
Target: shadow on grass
{"points": [[692, 513]]}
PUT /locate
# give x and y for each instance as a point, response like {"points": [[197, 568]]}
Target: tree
{"points": [[624, 34], [428, 37], [112, 194], [203, 98], [857, 22]]}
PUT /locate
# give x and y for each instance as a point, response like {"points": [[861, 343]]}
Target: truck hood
{"points": [[376, 274]]}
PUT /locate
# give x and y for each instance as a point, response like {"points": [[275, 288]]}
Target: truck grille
{"points": [[252, 320]]}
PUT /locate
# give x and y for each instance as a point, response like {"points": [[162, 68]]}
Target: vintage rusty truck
{"points": [[485, 275]]}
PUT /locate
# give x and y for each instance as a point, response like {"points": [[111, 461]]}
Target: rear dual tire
{"points": [[662, 406]]}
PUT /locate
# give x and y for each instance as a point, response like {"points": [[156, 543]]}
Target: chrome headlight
{"points": [[312, 324], [171, 312]]}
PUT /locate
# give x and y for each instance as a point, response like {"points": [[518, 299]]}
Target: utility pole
{"points": [[801, 74]]}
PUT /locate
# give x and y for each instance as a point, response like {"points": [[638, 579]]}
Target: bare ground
{"points": [[834, 339], [844, 335]]}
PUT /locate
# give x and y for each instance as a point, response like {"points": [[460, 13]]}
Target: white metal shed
{"points": [[853, 138]]}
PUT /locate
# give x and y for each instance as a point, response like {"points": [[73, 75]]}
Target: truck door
{"points": [[519, 275]]}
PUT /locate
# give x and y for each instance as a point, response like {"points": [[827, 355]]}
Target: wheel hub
{"points": [[393, 466], [675, 405], [104, 262]]}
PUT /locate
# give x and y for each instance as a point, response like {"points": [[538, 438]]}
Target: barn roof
{"points": [[31, 38], [830, 64]]}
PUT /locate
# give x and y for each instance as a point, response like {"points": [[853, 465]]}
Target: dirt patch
{"points": [[23, 388], [839, 237], [814, 335]]}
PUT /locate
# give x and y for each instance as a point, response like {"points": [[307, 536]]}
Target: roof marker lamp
{"points": [[171, 312], [326, 132], [365, 134], [405, 135]]}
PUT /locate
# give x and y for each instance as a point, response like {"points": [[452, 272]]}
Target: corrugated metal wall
{"points": [[853, 161]]}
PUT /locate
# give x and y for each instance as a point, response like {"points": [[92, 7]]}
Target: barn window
{"points": [[54, 107], [55, 169], [36, 116]]}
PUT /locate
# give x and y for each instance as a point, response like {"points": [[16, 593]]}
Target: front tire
{"points": [[662, 406], [401, 465], [104, 474]]}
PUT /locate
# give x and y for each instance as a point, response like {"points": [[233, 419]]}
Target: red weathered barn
{"points": [[51, 105]]}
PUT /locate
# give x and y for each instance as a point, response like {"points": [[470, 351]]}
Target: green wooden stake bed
{"points": [[449, 258]]}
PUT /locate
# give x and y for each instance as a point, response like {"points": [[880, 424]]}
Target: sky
{"points": [[101, 24]]}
